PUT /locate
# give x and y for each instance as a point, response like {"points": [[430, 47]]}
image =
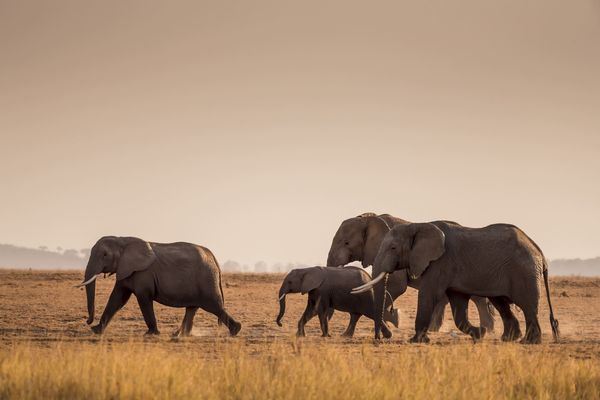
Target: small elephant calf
{"points": [[329, 289]]}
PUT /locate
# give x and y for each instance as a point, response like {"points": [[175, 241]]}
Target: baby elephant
{"points": [[329, 289]]}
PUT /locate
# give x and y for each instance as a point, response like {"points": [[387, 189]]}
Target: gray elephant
{"points": [[329, 289], [499, 262], [174, 274], [359, 239]]}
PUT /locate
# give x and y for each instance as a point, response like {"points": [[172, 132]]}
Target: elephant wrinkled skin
{"points": [[359, 239], [328, 289], [499, 262], [176, 274]]}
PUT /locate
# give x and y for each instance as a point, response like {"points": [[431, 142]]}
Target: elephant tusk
{"points": [[282, 296], [369, 285], [92, 279], [360, 290]]}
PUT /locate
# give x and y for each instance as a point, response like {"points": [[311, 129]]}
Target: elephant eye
{"points": [[105, 254], [346, 243], [393, 247]]}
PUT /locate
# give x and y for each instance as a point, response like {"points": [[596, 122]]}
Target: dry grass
{"points": [[47, 350], [295, 371]]}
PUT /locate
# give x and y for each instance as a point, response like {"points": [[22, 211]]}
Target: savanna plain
{"points": [[47, 350]]}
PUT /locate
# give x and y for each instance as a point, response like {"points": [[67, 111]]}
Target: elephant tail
{"points": [[553, 321]]}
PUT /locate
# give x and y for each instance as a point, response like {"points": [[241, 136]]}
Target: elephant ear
{"points": [[311, 280], [136, 256], [428, 244], [375, 229]]}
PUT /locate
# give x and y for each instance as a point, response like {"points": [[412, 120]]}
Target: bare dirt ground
{"points": [[43, 308]]}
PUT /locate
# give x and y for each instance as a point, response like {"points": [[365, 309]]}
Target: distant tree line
{"points": [[44, 258]]}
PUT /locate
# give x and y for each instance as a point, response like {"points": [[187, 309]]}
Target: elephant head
{"points": [[410, 248], [111, 255], [357, 239], [301, 280]]}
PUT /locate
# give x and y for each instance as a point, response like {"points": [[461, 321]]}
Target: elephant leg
{"points": [[322, 310], [512, 331], [354, 317], [330, 313], [118, 298], [526, 297], [460, 303], [486, 317], [437, 319], [385, 330], [425, 305], [187, 323], [309, 312], [216, 308], [324, 324], [147, 307], [533, 332]]}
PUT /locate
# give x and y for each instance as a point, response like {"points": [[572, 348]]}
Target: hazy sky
{"points": [[255, 128]]}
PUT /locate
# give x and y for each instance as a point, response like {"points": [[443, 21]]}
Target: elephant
{"points": [[174, 274], [328, 289], [359, 239], [498, 261]]}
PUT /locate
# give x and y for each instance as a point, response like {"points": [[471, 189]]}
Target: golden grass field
{"points": [[47, 350]]}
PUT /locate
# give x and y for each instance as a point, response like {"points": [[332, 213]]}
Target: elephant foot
{"points": [[478, 333], [387, 334], [300, 334], [532, 339], [348, 334], [235, 328], [326, 335], [511, 335], [420, 339], [152, 332], [181, 333], [488, 326], [97, 329]]}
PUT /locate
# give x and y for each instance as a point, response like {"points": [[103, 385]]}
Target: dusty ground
{"points": [[43, 308]]}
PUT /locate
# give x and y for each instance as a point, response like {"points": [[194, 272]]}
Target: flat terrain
{"points": [[42, 316], [44, 307]]}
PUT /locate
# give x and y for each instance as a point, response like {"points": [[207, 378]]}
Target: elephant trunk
{"points": [[338, 257], [90, 291], [282, 293], [331, 259], [92, 271], [379, 298]]}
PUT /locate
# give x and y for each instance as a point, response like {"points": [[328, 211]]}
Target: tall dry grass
{"points": [[292, 371]]}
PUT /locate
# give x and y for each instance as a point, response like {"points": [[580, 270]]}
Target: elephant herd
{"points": [[495, 267]]}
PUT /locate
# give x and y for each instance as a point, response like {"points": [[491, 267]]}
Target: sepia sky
{"points": [[256, 127]]}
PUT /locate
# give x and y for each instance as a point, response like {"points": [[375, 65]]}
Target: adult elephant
{"points": [[175, 274], [359, 239], [499, 262]]}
